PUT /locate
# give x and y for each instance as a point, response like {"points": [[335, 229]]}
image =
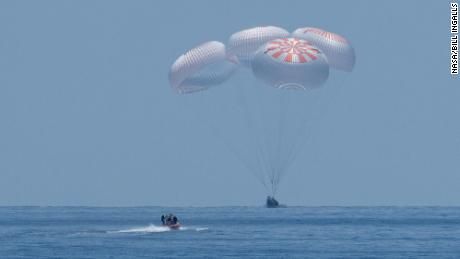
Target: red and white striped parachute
{"points": [[201, 67], [338, 50], [245, 43], [290, 63]]}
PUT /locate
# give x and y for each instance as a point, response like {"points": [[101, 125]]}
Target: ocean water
{"points": [[230, 232]]}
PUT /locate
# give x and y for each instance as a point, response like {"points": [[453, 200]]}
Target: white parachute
{"points": [[338, 50], [245, 43], [277, 120], [201, 67]]}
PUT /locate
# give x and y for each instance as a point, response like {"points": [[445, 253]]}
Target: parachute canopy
{"points": [[290, 63], [201, 67], [245, 43], [338, 50]]}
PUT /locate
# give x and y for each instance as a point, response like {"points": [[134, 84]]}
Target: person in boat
{"points": [[272, 202], [169, 220], [165, 218]]}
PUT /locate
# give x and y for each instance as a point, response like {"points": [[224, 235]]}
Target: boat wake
{"points": [[155, 229], [148, 229]]}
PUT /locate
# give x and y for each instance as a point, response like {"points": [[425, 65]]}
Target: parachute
{"points": [[201, 67], [245, 43], [290, 63], [338, 50], [277, 118]]}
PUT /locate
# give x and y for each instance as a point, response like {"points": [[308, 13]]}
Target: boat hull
{"points": [[174, 226]]}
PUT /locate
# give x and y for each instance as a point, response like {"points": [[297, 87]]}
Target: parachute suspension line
{"points": [[255, 139], [299, 131], [273, 188], [303, 134], [323, 99], [270, 148], [218, 134], [281, 126], [264, 142], [267, 141]]}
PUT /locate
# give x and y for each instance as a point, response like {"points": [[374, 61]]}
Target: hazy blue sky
{"points": [[87, 116]]}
